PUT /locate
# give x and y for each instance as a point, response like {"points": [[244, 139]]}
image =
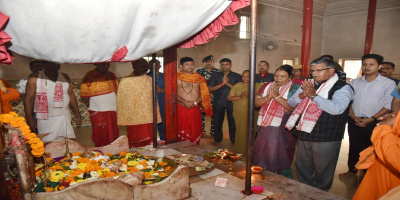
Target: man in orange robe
{"points": [[382, 160], [100, 86], [135, 105], [8, 94], [192, 89]]}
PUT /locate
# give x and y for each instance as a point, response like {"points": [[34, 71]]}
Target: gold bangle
{"points": [[277, 97]]}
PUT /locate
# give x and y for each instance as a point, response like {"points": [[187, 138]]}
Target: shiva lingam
{"points": [[227, 156]]}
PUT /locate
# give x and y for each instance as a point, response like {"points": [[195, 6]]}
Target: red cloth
{"points": [[5, 57], [140, 135], [298, 81], [227, 18], [263, 75], [104, 127], [190, 127]]}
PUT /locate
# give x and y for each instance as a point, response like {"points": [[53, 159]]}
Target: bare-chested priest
{"points": [[192, 90]]}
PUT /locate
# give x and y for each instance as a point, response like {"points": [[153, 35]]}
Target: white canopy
{"points": [[76, 31]]}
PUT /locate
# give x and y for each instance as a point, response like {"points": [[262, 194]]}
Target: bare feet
{"points": [[347, 175]]}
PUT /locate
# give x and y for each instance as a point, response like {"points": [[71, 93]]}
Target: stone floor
{"points": [[342, 188]]}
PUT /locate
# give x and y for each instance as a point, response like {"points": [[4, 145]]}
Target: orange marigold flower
{"points": [[30, 136], [49, 189], [37, 173], [124, 160], [111, 174], [123, 153], [147, 175], [76, 154], [108, 154], [142, 162], [34, 140], [163, 163]]}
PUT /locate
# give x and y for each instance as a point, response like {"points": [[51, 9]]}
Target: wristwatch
{"points": [[375, 119], [313, 96]]}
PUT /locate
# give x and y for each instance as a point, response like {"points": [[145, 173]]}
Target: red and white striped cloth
{"points": [[42, 104], [308, 110], [271, 113]]}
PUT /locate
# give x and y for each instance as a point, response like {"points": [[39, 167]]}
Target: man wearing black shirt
{"points": [[264, 76], [220, 84]]}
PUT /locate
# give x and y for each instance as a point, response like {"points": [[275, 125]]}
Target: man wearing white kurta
{"points": [[49, 93]]}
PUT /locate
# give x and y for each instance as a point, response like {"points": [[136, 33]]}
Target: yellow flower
{"points": [[56, 176], [82, 166], [133, 163]]}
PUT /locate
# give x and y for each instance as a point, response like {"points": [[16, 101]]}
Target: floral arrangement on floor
{"points": [[80, 168], [31, 138]]}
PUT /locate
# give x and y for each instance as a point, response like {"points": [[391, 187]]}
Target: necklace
{"points": [[185, 90]]}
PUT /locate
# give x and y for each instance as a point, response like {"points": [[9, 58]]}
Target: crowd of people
{"points": [[292, 112]]}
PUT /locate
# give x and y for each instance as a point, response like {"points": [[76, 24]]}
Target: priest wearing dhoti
{"points": [[192, 90], [134, 105], [100, 87], [49, 93]]}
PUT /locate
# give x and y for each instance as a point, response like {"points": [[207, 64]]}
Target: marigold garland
{"points": [[19, 122]]}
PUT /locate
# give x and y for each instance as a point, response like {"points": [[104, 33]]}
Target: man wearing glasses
{"points": [[387, 71], [320, 115]]}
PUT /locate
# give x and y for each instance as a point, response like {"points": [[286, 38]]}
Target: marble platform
{"points": [[203, 186]]}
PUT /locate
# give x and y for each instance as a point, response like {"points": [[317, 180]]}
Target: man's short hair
{"points": [[378, 58], [327, 56], [35, 63], [263, 61], [328, 62], [210, 57], [136, 63], [186, 59], [153, 61], [389, 63], [225, 60]]}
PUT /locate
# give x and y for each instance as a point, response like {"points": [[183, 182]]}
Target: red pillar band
{"points": [[170, 94], [306, 40], [369, 36]]}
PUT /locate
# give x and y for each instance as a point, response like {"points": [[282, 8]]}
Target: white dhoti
{"points": [[58, 123], [58, 127]]}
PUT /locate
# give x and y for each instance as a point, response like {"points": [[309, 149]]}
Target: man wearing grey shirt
{"points": [[372, 100]]}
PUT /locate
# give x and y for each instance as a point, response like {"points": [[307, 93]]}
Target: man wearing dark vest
{"points": [[320, 115]]}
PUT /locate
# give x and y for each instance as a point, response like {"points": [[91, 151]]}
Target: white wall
{"points": [[344, 35], [274, 24]]}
